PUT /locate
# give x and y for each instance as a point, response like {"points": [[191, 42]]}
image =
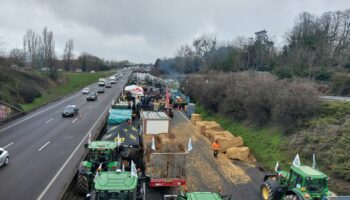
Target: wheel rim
{"points": [[6, 161], [265, 193]]}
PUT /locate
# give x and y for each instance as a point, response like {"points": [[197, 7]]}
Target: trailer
{"points": [[153, 122], [164, 158], [179, 99]]}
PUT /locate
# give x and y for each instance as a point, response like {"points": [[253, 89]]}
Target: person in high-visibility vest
{"points": [[215, 146]]}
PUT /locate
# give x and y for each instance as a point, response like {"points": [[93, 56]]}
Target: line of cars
{"points": [[72, 110]]}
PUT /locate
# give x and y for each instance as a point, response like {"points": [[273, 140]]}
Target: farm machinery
{"points": [[301, 182], [101, 156]]}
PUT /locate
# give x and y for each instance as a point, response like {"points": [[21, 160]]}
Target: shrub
{"points": [[258, 97]]}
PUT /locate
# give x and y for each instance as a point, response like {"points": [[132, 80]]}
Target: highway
{"points": [[45, 149]]}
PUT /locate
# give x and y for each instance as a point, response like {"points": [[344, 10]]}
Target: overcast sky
{"points": [[142, 30]]}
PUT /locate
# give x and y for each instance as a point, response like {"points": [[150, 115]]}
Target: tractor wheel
{"points": [[291, 197], [269, 190], [83, 184]]}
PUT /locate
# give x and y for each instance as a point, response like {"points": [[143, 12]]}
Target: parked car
{"points": [[86, 90], [100, 90], [70, 111], [4, 157], [108, 85], [92, 96]]}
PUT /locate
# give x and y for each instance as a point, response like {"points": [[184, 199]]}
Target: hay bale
{"points": [[228, 142], [200, 127], [213, 133], [195, 118], [238, 153]]}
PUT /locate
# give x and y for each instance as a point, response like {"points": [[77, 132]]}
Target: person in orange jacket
{"points": [[215, 146]]}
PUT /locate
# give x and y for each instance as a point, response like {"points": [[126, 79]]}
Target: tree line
{"points": [[315, 47], [38, 52]]}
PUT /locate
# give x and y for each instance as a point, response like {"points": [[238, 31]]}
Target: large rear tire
{"points": [[82, 184], [269, 190], [291, 197]]}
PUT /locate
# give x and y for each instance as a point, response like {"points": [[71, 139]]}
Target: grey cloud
{"points": [[143, 30]]}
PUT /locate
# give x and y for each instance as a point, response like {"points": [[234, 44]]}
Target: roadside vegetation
{"points": [[29, 89]]}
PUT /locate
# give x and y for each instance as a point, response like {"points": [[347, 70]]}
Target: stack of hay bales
{"points": [[195, 118], [229, 144]]}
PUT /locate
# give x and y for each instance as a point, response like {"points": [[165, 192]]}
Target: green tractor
{"points": [[300, 183], [197, 195], [101, 156], [117, 185]]}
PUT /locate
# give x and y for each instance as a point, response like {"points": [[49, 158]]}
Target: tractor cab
{"points": [[307, 181], [300, 183], [114, 185], [101, 153]]}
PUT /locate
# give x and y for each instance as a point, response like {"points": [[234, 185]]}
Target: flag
{"points": [[99, 167], [89, 138], [123, 168], [118, 140], [133, 169], [313, 160], [276, 167], [96, 175], [189, 147], [296, 161], [153, 147]]}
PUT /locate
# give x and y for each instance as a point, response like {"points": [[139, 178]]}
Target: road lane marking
{"points": [[70, 157], [74, 120], [8, 145], [185, 117], [49, 108], [44, 146], [49, 120]]}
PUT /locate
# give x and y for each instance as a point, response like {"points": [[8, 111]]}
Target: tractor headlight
{"points": [[307, 195]]}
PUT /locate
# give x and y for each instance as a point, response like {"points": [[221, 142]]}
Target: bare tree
{"points": [[17, 57], [48, 53], [31, 47], [68, 55]]}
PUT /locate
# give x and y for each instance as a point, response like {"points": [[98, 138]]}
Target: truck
{"points": [[112, 79], [101, 82], [101, 154], [178, 98], [118, 116], [164, 159], [299, 183]]}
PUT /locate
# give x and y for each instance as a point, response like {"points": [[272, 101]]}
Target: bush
{"points": [[258, 97], [28, 92]]}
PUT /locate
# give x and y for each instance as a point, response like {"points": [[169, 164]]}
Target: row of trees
{"points": [[315, 47], [39, 52]]}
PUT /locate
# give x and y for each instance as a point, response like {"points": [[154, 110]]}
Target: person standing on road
{"points": [[215, 146]]}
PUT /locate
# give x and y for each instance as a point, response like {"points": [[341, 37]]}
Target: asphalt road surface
{"points": [[45, 149]]}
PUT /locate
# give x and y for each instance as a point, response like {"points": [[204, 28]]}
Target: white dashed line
{"points": [[74, 120], [44, 146], [49, 120], [8, 145]]}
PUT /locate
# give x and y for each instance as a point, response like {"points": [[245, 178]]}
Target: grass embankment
{"points": [[70, 82], [266, 144]]}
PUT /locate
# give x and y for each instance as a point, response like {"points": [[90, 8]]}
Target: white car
{"points": [[4, 157], [86, 90]]}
